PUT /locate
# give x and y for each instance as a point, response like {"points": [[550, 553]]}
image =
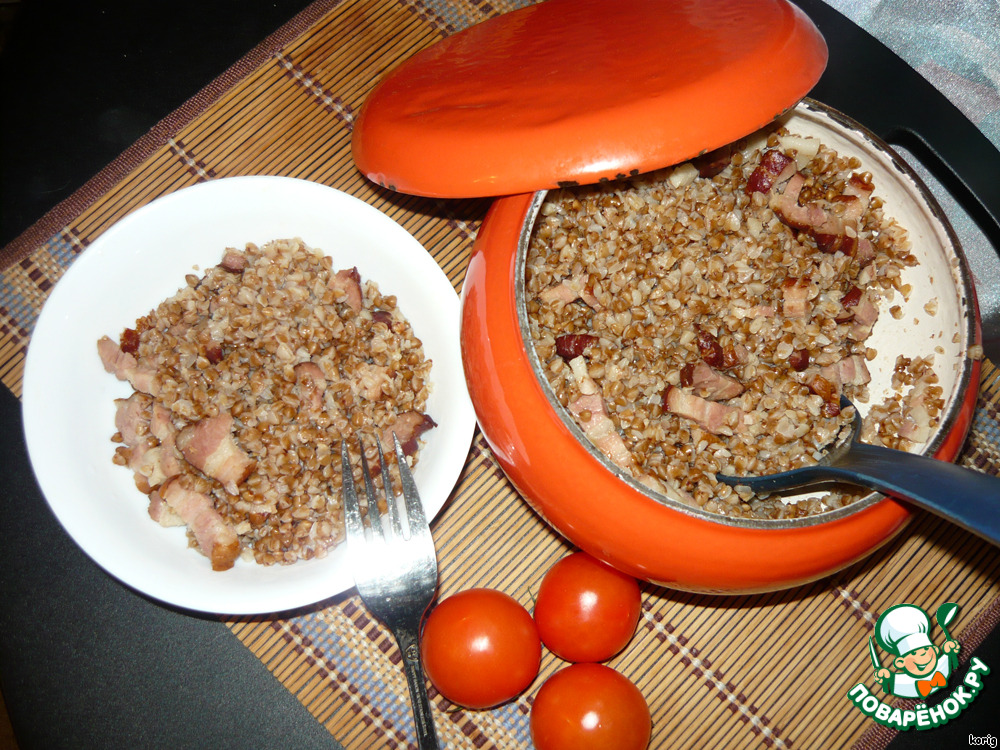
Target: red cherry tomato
{"points": [[589, 707], [480, 648], [586, 610]]}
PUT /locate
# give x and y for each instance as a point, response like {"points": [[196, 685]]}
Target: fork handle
{"points": [[409, 647]]}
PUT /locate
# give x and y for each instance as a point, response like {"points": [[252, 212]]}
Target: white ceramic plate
{"points": [[68, 399]]}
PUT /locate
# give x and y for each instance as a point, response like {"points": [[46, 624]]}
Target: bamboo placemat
{"points": [[747, 671]]}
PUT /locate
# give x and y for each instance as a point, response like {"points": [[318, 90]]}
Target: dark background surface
{"points": [[82, 81], [85, 662]]}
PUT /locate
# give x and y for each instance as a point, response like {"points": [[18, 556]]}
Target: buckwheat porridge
{"points": [[246, 382], [706, 318]]}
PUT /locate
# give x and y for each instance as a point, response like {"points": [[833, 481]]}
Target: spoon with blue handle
{"points": [[963, 496]]}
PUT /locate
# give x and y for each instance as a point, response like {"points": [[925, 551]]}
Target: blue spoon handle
{"points": [[963, 496]]}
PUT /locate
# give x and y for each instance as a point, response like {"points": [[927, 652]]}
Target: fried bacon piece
{"points": [[795, 296], [833, 230], [148, 434], [864, 252], [798, 360], [161, 512], [572, 345], [865, 317], [710, 349], [774, 168], [828, 382], [857, 247], [850, 370], [216, 539], [167, 457], [717, 418], [347, 284], [591, 413], [860, 188], [154, 463], [311, 384], [213, 352], [129, 341], [161, 423], [570, 290], [717, 354], [827, 227], [234, 261], [836, 243], [916, 425], [860, 310], [707, 383], [132, 417], [812, 217], [785, 203], [592, 416], [849, 301], [209, 446], [125, 366], [408, 427], [382, 316]]}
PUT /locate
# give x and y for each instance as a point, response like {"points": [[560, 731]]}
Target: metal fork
{"points": [[395, 569]]}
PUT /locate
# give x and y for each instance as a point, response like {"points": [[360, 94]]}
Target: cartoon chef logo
{"points": [[919, 667]]}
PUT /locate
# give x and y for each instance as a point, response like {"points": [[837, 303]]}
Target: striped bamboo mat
{"points": [[742, 672]]}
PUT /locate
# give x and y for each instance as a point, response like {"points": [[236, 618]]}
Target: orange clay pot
{"points": [[577, 91], [614, 518]]}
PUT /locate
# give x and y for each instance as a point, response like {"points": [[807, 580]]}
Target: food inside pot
{"points": [[246, 381], [706, 318]]}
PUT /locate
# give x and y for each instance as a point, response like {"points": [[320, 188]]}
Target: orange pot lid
{"points": [[577, 91]]}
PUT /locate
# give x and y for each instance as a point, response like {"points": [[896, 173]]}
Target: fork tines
{"points": [[416, 523]]}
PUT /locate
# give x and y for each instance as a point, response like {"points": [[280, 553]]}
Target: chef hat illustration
{"points": [[902, 629]]}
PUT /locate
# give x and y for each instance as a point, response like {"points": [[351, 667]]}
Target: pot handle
{"points": [[960, 157]]}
